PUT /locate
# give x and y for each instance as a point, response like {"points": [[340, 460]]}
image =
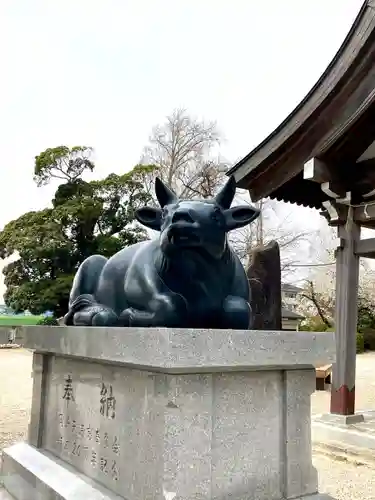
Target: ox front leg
{"points": [[84, 309], [164, 311], [236, 313]]}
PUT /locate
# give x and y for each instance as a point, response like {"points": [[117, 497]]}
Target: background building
{"points": [[290, 296]]}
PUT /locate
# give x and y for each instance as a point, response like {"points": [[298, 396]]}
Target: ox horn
{"points": [[225, 196], [163, 193]]}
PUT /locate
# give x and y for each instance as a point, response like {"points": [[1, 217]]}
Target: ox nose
{"points": [[182, 216]]}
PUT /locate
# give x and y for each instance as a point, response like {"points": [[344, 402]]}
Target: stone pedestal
{"points": [[163, 414]]}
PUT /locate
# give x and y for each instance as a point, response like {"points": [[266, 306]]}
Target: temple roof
{"points": [[288, 314], [333, 126], [288, 287]]}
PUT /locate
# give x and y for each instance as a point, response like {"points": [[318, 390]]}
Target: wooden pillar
{"points": [[346, 313]]}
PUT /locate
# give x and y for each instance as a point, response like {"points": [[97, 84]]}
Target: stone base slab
{"points": [[317, 496], [28, 474], [346, 453], [334, 419], [4, 495], [358, 432]]}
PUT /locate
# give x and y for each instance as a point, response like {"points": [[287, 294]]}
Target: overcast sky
{"points": [[103, 72]]}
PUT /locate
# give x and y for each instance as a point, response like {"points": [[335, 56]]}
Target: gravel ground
{"points": [[365, 387], [15, 394], [342, 480], [345, 481]]}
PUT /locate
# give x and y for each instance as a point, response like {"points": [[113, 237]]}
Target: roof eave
{"points": [[254, 159]]}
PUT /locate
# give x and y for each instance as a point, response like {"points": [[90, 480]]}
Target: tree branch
{"points": [[314, 299]]}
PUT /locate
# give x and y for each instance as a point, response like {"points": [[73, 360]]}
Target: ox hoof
{"points": [[95, 316], [127, 317]]}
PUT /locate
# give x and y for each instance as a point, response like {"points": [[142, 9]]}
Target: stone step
{"points": [[30, 474], [345, 453], [4, 495]]}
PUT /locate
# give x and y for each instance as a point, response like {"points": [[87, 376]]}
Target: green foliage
{"points": [[19, 320], [313, 324], [48, 321], [366, 322], [318, 326], [360, 342], [365, 325], [86, 218], [63, 163], [369, 338], [366, 313]]}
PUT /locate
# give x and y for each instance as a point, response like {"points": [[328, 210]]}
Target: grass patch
{"points": [[19, 320]]}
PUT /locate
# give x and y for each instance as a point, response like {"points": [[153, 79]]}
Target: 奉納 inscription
{"points": [[68, 389], [107, 401]]}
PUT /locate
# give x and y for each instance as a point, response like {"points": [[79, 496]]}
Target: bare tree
{"points": [[183, 152], [270, 225], [181, 149], [323, 302], [318, 296]]}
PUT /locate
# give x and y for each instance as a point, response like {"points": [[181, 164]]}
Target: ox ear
{"points": [[240, 216], [149, 217], [225, 196], [163, 193]]}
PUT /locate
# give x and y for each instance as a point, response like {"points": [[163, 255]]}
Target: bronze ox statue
{"points": [[187, 278]]}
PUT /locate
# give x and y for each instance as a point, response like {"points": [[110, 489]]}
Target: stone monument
{"points": [[168, 414], [156, 389], [264, 275]]}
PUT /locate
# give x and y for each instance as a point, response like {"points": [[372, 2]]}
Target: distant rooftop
{"points": [[287, 314], [287, 287]]}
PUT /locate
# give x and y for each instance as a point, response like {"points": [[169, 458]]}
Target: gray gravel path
{"points": [[345, 481], [365, 387], [15, 394]]}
